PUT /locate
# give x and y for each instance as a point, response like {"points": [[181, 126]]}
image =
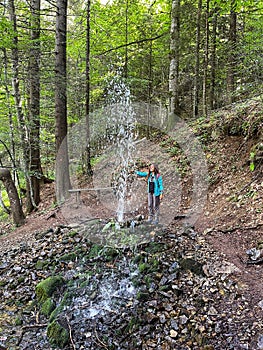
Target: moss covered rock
{"points": [[68, 257], [46, 288], [47, 307], [40, 264], [57, 335], [64, 302]]}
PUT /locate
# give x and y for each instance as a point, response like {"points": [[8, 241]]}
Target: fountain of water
{"points": [[123, 118]]}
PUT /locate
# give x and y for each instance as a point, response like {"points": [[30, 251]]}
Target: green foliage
{"points": [[133, 324], [142, 296], [243, 119], [6, 33], [150, 266], [40, 264], [95, 251], [4, 216], [252, 158], [18, 321], [141, 54], [3, 283]]}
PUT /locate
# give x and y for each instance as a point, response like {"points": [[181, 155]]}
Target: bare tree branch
{"points": [[132, 43]]}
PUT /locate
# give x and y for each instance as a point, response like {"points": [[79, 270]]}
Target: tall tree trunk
{"points": [[10, 119], [150, 89], [174, 64], [61, 127], [34, 122], [213, 62], [88, 155], [197, 60], [15, 205], [232, 52], [205, 69], [150, 75], [17, 95]]}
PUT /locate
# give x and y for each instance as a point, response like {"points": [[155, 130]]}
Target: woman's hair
{"points": [[156, 169]]}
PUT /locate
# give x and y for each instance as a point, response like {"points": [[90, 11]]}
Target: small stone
{"points": [[168, 307], [71, 265], [173, 333], [212, 311], [174, 325], [183, 319], [260, 304], [163, 281], [17, 268], [260, 342], [162, 318]]}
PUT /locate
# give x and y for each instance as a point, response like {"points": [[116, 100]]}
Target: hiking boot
{"points": [[150, 219], [156, 218]]}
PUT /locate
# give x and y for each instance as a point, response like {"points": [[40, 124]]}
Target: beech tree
{"points": [[35, 172], [62, 161], [23, 131], [232, 46], [197, 60], [212, 97], [206, 59], [174, 63], [87, 104]]}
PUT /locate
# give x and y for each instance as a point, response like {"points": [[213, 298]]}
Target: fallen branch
{"points": [[132, 43], [98, 339], [180, 216], [235, 228], [70, 334], [27, 327], [41, 325], [255, 262]]}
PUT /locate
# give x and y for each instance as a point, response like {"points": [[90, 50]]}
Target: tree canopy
{"points": [[218, 53]]}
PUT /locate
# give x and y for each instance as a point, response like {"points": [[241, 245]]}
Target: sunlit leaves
{"points": [[6, 33]]}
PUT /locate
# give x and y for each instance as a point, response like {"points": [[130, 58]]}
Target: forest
{"points": [[59, 58], [92, 93]]}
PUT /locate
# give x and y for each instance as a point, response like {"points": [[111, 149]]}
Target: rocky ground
{"points": [[171, 292], [156, 287]]}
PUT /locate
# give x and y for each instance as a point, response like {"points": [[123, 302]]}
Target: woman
{"points": [[155, 191]]}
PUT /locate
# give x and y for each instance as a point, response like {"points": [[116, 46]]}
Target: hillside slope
{"points": [[232, 139], [220, 302], [233, 218]]}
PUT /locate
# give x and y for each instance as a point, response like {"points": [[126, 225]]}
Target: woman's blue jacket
{"points": [[158, 182]]}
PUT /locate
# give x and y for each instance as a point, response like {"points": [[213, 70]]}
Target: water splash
{"points": [[106, 293], [123, 117]]}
